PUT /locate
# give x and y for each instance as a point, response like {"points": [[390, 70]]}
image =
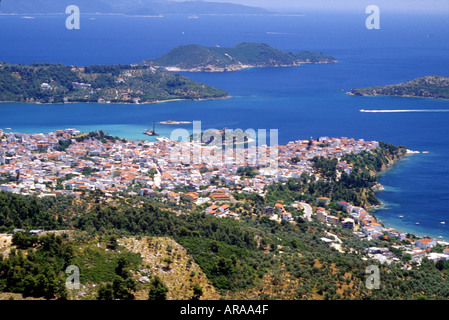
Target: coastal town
{"points": [[70, 162], [38, 164], [366, 226]]}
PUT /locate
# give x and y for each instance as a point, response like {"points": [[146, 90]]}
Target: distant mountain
{"points": [[197, 58], [138, 7], [426, 87], [52, 6]]}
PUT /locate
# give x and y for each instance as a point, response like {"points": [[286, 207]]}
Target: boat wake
{"points": [[281, 33], [410, 110]]}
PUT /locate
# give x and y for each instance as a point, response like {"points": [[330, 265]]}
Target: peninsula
{"points": [[57, 83], [424, 87], [197, 58]]}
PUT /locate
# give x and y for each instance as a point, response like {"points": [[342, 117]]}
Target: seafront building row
{"points": [[369, 228]]}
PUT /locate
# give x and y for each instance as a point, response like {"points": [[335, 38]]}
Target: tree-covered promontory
{"points": [[57, 83], [424, 87], [197, 58]]}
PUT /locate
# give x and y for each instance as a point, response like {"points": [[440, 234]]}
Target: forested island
{"points": [[425, 87], [145, 82], [57, 83], [197, 58]]}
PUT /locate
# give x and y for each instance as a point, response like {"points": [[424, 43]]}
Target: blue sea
{"points": [[300, 101]]}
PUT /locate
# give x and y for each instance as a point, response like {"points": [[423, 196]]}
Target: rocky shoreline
{"points": [[425, 87], [237, 67], [119, 102]]}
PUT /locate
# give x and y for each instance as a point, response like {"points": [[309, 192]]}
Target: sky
{"points": [[423, 6]]}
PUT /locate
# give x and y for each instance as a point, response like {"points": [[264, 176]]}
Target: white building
{"points": [[347, 223], [426, 243]]}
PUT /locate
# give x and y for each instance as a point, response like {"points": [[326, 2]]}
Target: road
{"points": [[307, 210], [158, 176]]}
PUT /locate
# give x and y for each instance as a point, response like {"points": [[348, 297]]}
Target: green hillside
{"points": [[195, 57], [55, 83], [425, 87], [132, 7]]}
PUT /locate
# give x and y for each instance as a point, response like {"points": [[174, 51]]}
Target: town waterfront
{"points": [[300, 101]]}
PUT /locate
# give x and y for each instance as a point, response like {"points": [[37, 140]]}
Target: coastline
{"points": [[400, 226], [349, 93], [121, 102], [237, 67], [378, 187]]}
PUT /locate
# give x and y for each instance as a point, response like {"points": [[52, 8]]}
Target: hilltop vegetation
{"points": [[424, 87], [254, 258], [248, 54], [355, 188], [56, 83]]}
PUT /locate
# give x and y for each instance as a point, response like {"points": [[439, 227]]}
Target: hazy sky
{"points": [[346, 5]]}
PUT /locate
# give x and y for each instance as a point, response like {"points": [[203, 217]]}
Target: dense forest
{"points": [[56, 83], [199, 58], [28, 212]]}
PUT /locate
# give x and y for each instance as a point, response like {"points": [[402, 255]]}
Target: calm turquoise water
{"points": [[299, 101]]}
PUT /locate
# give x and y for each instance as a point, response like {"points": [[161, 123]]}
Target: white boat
{"points": [[425, 152], [440, 237], [442, 222], [401, 217], [417, 223]]}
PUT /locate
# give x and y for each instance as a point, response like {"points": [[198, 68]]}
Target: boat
{"points": [[425, 152], [150, 132], [174, 122], [401, 217], [417, 223], [440, 237], [442, 222]]}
